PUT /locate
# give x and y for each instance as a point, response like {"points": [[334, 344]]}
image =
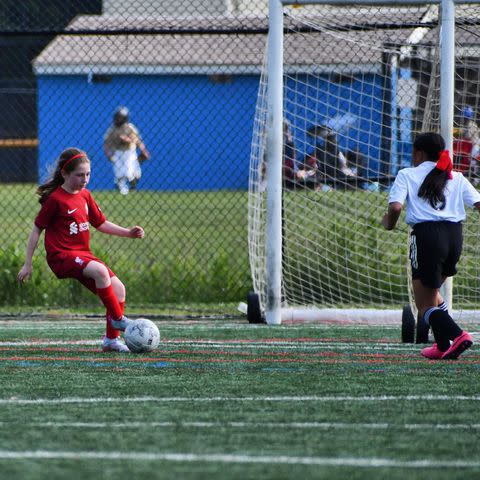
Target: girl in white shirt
{"points": [[435, 197]]}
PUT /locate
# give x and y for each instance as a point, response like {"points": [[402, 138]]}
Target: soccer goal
{"points": [[344, 89]]}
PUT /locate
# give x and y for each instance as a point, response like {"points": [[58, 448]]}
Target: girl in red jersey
{"points": [[67, 211]]}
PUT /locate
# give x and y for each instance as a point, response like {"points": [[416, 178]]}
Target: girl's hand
{"points": [[25, 273], [137, 232]]}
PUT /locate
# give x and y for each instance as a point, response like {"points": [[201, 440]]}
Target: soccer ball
{"points": [[142, 335]]}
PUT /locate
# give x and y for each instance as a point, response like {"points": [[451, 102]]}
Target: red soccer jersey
{"points": [[66, 218]]}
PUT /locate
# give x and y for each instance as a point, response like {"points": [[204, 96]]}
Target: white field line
{"points": [[244, 459], [255, 345], [234, 344], [259, 398], [246, 425], [76, 325]]}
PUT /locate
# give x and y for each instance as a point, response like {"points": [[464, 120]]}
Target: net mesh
{"points": [[359, 83]]}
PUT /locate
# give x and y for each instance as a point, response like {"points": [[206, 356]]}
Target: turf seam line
{"points": [[307, 398], [238, 458], [297, 425]]}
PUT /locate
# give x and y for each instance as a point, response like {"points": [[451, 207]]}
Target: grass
{"points": [[232, 400], [195, 248]]}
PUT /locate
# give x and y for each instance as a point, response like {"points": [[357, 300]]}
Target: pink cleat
{"points": [[432, 353], [458, 346]]}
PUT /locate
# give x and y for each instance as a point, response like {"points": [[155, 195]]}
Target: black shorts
{"points": [[435, 248]]}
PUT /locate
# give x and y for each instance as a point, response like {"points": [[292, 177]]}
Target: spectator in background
{"points": [[466, 147], [289, 157], [327, 161], [470, 129], [289, 160], [120, 146]]}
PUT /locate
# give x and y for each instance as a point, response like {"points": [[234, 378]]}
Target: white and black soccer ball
{"points": [[142, 335]]}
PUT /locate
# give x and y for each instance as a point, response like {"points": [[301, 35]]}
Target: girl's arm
{"points": [[114, 229], [390, 219], [145, 154], [26, 271]]}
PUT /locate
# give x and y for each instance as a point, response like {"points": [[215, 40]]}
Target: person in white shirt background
{"points": [[121, 142], [435, 198]]}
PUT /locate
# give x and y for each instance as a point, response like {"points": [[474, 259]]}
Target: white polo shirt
{"points": [[458, 193]]}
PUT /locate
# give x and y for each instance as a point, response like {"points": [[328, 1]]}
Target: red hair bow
{"points": [[445, 163]]}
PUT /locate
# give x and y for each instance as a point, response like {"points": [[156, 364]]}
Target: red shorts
{"points": [[71, 265]]}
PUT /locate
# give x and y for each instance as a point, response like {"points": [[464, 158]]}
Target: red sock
{"points": [[110, 300], [112, 332]]}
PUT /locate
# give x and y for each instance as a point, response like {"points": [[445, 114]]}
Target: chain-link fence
{"points": [[186, 73]]}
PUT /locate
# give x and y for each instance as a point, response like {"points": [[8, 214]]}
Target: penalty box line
{"points": [[231, 345], [243, 459], [247, 425], [309, 398]]}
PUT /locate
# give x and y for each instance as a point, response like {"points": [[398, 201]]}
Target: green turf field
{"points": [[222, 399]]}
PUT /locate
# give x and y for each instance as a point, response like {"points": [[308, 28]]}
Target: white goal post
{"points": [[359, 79]]}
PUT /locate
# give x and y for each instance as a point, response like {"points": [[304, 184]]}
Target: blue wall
{"points": [[198, 132]]}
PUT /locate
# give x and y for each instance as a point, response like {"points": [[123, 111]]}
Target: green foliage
{"points": [[195, 249]]}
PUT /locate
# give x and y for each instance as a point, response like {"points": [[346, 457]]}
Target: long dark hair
{"points": [[65, 164], [433, 187]]}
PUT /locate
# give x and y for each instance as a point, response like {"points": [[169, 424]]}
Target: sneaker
{"points": [[432, 353], [120, 324], [458, 346], [114, 345]]}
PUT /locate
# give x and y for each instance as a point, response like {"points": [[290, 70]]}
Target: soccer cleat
{"points": [[114, 345], [432, 353], [458, 346], [120, 324]]}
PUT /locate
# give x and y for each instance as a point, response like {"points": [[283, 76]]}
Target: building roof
{"points": [[361, 46]]}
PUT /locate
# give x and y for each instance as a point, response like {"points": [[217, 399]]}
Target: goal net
{"points": [[359, 83]]}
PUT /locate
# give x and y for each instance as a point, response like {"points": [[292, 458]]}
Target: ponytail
{"points": [[432, 189], [68, 160]]}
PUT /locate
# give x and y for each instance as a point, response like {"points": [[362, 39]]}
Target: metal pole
{"points": [[447, 88], [274, 163]]}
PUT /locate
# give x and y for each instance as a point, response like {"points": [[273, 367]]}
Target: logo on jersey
{"points": [[78, 227], [79, 261], [71, 211], [440, 205]]}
